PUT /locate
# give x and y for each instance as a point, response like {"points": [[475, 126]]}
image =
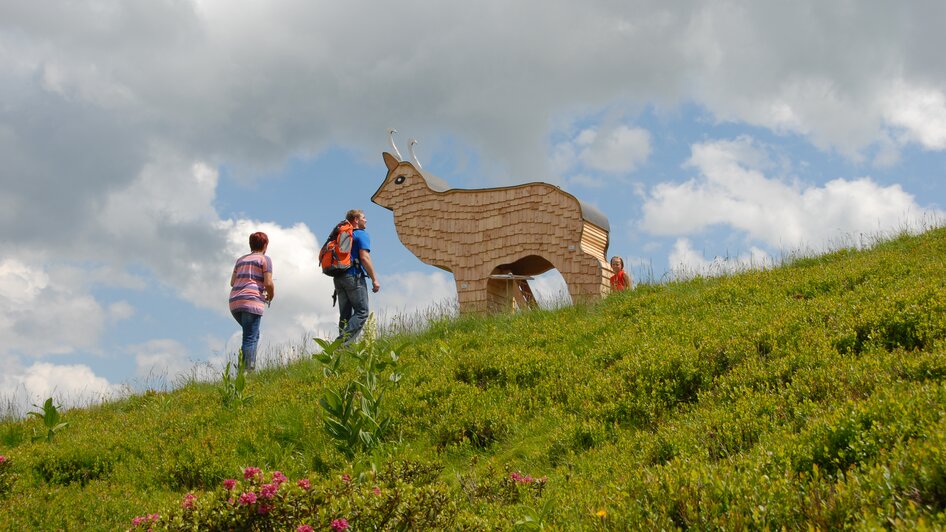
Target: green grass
{"points": [[808, 395]]}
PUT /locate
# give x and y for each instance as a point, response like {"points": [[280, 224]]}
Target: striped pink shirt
{"points": [[247, 292]]}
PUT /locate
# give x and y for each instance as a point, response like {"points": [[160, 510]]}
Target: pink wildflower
{"points": [[268, 491], [377, 490], [305, 528], [2, 459], [339, 524], [188, 502], [229, 484], [144, 520], [520, 478], [231, 501], [304, 483], [247, 498], [264, 509], [279, 478], [251, 472], [346, 478]]}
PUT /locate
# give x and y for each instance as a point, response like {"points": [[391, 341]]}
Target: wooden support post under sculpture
{"points": [[490, 238]]}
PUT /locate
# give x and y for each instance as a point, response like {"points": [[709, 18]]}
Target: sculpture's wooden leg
{"points": [[471, 294], [499, 295], [586, 277]]}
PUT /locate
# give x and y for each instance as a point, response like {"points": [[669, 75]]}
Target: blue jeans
{"points": [[352, 293], [250, 323]]}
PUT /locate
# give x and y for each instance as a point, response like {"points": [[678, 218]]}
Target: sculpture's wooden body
{"points": [[523, 230]]}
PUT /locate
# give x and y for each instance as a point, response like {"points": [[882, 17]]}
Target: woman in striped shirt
{"points": [[251, 290]]}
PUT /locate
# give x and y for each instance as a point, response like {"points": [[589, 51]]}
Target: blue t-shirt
{"points": [[360, 241]]}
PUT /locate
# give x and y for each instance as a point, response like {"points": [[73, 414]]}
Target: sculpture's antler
{"points": [[397, 154], [410, 148]]}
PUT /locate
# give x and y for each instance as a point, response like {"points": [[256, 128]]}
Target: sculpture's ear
{"points": [[390, 161]]}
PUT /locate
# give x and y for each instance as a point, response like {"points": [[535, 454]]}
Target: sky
{"points": [[142, 141]]}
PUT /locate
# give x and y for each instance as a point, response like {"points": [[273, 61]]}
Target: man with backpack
{"points": [[351, 286]]}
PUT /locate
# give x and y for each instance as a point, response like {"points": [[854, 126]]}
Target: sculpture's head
{"points": [[402, 177], [404, 180]]}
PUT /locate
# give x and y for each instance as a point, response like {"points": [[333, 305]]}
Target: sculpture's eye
{"points": [[399, 179]]}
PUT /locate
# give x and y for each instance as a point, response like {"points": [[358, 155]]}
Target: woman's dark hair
{"points": [[258, 241]]}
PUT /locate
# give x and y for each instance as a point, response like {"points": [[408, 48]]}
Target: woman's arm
{"points": [[269, 286]]}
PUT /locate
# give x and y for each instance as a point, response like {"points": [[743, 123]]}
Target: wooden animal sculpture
{"points": [[484, 234]]}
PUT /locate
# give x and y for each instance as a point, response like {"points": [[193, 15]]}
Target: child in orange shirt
{"points": [[621, 280]]}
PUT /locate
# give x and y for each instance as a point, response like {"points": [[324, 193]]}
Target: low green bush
{"points": [[7, 476], [262, 500], [74, 464]]}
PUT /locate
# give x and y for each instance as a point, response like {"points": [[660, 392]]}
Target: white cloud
{"points": [[732, 190], [20, 284], [164, 219], [161, 358], [686, 262], [616, 150], [563, 157], [408, 296], [919, 111], [550, 290], [68, 385], [44, 317], [168, 192], [802, 68], [620, 150], [120, 310]]}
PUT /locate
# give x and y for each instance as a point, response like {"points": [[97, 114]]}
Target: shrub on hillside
{"points": [[6, 475], [262, 500], [76, 464]]}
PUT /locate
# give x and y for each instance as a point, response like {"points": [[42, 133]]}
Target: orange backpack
{"points": [[335, 255]]}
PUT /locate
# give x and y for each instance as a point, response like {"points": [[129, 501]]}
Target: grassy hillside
{"points": [[808, 395]]}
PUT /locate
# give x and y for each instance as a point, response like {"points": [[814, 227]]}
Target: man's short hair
{"points": [[354, 213]]}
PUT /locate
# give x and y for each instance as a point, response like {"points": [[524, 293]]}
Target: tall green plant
{"points": [[330, 357], [52, 420], [233, 387], [354, 418]]}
